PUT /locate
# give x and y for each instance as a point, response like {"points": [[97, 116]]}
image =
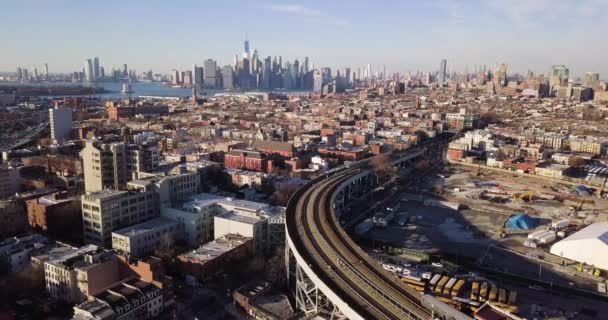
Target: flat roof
{"points": [[230, 215], [146, 227], [217, 247]]}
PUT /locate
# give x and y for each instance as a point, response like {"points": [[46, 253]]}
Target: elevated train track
{"points": [[345, 281]]}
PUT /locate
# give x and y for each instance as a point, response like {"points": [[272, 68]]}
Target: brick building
{"points": [[283, 149], [248, 160], [117, 111], [211, 257], [56, 213]]}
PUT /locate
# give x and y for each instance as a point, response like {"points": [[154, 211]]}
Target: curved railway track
{"points": [[361, 282]]}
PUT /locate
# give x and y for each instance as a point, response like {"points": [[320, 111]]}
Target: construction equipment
{"points": [[578, 207], [525, 196], [502, 233]]}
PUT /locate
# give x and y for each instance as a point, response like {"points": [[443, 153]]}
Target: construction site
{"points": [[494, 225]]}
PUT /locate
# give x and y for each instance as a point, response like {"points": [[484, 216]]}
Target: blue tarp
{"points": [[522, 222]]}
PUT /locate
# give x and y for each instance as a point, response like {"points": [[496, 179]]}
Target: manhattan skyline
{"points": [[402, 36]]}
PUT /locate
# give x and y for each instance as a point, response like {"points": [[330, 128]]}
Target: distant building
{"points": [[61, 123], [228, 77], [283, 149], [211, 79], [112, 165], [248, 160], [119, 111], [9, 182]]}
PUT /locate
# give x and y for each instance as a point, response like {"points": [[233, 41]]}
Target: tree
{"points": [[488, 117], [166, 250], [577, 162], [382, 167], [281, 197]]}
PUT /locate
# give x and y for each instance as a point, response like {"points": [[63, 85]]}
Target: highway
{"points": [[354, 276]]}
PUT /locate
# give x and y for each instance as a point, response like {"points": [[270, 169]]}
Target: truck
{"points": [[483, 292], [535, 234], [458, 287], [441, 284], [475, 291], [448, 286], [502, 295], [601, 287], [363, 227], [547, 238], [530, 243], [561, 224], [493, 293], [512, 297], [434, 281]]}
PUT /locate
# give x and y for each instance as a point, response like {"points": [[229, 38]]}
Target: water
{"points": [[139, 89]]}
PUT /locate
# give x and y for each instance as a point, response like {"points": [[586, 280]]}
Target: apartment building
{"points": [[592, 146], [112, 165], [132, 299], [108, 210], [81, 272]]}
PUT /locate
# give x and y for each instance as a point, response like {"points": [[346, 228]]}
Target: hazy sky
{"points": [[401, 34]]}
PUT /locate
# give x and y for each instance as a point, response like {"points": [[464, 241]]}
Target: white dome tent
{"points": [[589, 245]]}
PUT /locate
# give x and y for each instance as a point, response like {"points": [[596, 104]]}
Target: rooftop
{"points": [[146, 227], [217, 247]]}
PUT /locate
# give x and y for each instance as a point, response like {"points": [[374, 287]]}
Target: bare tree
{"points": [[381, 164], [166, 250], [577, 162], [281, 196]]}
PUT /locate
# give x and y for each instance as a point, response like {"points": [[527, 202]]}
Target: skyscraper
{"points": [[88, 71], [246, 48], [559, 75], [591, 80], [198, 76], [306, 66], [46, 71], [267, 73], [210, 74], [317, 81], [442, 75], [228, 77], [96, 71]]}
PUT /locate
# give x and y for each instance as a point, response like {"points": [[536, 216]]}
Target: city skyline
{"points": [[403, 37]]}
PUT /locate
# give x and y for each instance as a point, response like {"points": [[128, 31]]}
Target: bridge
{"points": [[330, 275]]}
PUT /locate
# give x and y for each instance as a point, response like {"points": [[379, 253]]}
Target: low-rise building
{"points": [[556, 171], [142, 239], [132, 299], [81, 272], [247, 160], [215, 255], [197, 217], [15, 253], [56, 213]]}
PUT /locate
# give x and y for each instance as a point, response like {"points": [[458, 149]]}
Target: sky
{"points": [[403, 35]]}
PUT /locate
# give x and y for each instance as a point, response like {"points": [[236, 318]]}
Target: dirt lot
{"points": [[474, 231]]}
